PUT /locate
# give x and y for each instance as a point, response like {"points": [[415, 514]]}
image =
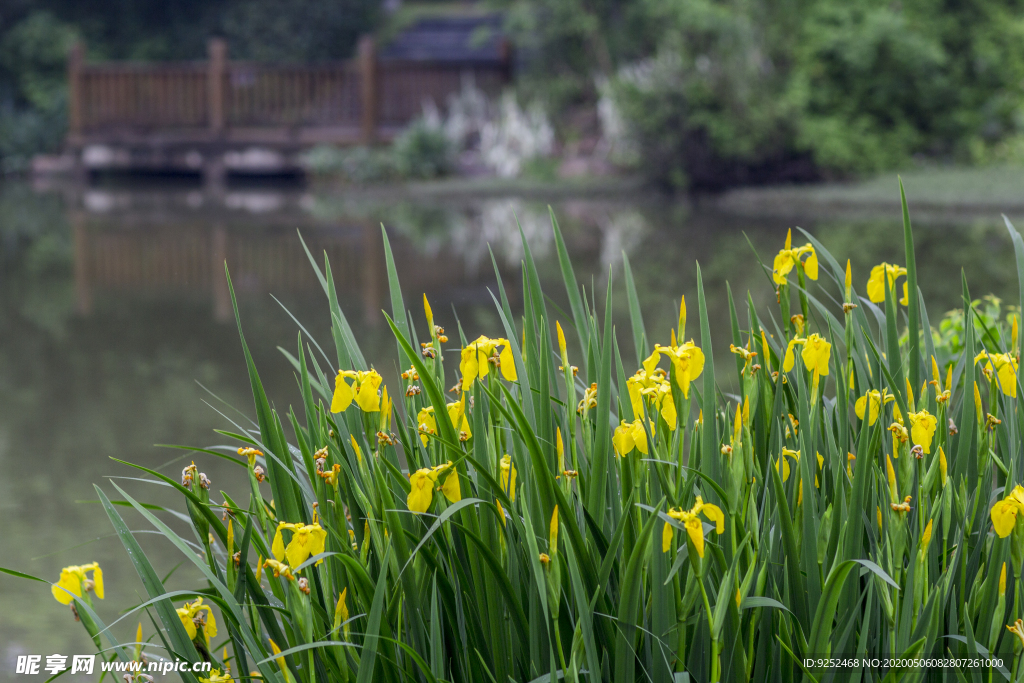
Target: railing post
{"points": [[76, 56], [505, 55], [83, 272], [221, 294], [218, 52], [368, 77]]}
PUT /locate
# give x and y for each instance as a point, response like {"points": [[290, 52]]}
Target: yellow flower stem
{"points": [[570, 393], [787, 324], [848, 335], [942, 434], [945, 547], [803, 297], [588, 438], [558, 640], [711, 628], [922, 512], [683, 412], [261, 513]]}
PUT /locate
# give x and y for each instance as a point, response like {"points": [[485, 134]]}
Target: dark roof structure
{"points": [[478, 39]]}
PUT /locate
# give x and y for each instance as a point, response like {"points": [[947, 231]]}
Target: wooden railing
{"points": [[131, 96], [266, 95], [363, 96]]}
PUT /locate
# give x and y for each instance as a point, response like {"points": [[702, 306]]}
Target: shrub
{"points": [[991, 327], [423, 152], [515, 136], [353, 164], [420, 152], [750, 92], [562, 521]]}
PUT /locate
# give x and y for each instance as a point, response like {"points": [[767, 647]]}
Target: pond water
{"points": [[116, 330]]}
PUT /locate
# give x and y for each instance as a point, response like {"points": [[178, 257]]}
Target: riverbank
{"points": [[614, 187], [932, 193]]}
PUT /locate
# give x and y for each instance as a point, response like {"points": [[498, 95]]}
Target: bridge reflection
{"points": [[138, 244], [174, 243]]}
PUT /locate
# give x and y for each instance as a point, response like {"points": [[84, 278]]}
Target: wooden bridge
{"points": [[221, 116]]}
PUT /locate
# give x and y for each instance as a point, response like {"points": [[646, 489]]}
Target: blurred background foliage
{"points": [[713, 93], [35, 36], [723, 93]]}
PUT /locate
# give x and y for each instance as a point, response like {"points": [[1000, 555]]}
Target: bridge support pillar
{"points": [[215, 175], [368, 91], [83, 284], [216, 73]]}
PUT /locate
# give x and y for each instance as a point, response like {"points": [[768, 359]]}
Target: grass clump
{"points": [[574, 512], [420, 152]]}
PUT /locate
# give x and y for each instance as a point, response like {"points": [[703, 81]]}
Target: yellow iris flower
{"points": [[1004, 366], [788, 258], [1004, 512], [422, 483], [476, 359], [926, 538], [307, 540], [890, 474], [922, 429], [589, 400], [508, 477], [363, 390], [450, 487], [74, 581], [687, 363], [785, 463], [279, 569], [191, 615], [876, 399], [746, 354], [456, 412], [341, 613], [655, 388], [421, 492], [694, 527], [1018, 630], [815, 354], [275, 650], [217, 677], [630, 435], [882, 273]]}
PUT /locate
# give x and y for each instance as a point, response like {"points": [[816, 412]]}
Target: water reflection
{"points": [[113, 306]]}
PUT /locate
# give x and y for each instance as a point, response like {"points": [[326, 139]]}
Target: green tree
{"points": [[721, 93], [33, 55], [300, 30]]}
